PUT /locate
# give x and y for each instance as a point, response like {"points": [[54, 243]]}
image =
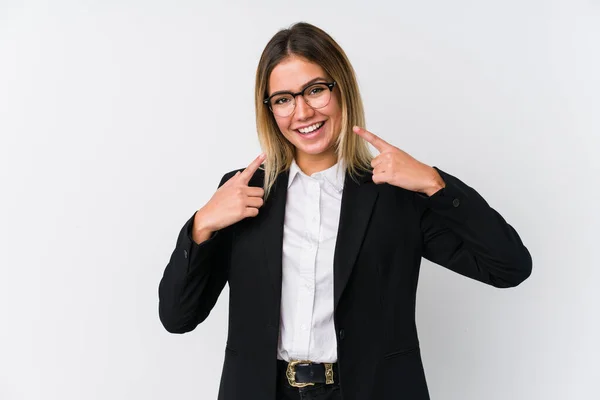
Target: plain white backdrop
{"points": [[115, 118]]}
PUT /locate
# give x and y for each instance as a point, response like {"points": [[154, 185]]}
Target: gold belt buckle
{"points": [[328, 373], [291, 373]]}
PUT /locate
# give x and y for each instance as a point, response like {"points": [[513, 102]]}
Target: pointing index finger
{"points": [[251, 169], [372, 138]]}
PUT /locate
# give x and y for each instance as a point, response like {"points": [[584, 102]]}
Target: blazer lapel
{"points": [[358, 200], [272, 229]]}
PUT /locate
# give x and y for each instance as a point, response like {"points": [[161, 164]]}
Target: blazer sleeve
{"points": [[194, 277], [461, 232]]}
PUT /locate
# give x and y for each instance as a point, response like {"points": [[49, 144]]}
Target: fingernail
{"points": [[356, 128]]}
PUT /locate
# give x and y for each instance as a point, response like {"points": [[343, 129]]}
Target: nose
{"points": [[303, 110]]}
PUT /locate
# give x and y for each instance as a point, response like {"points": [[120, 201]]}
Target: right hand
{"points": [[232, 202]]}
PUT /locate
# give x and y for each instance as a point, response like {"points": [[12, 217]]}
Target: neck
{"points": [[311, 163]]}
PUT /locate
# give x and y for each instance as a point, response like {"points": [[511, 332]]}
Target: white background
{"points": [[115, 116]]}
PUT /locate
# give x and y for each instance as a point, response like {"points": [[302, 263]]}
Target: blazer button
{"points": [[342, 334], [185, 253], [456, 202]]}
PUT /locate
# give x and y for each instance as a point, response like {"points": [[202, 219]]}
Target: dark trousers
{"points": [[319, 391]]}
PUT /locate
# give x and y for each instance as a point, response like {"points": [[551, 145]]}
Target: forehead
{"points": [[293, 73]]}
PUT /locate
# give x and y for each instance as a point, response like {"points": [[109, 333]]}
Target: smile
{"points": [[311, 128]]}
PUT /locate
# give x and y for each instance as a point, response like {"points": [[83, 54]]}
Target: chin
{"points": [[325, 144], [314, 149]]}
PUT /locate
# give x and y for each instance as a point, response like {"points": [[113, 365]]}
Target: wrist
{"points": [[199, 236], [200, 230], [435, 184], [433, 190]]}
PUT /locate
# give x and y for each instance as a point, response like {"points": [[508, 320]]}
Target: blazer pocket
{"points": [[399, 353]]}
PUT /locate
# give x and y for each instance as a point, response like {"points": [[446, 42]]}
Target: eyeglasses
{"points": [[316, 95]]}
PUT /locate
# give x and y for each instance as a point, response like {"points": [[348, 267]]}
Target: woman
{"points": [[321, 247]]}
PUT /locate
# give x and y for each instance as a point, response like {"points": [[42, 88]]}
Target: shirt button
{"points": [[303, 327], [342, 334], [185, 253], [456, 202]]}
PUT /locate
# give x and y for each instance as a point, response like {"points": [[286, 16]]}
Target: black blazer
{"points": [[383, 233]]}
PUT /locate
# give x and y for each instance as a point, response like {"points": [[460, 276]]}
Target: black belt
{"points": [[306, 373]]}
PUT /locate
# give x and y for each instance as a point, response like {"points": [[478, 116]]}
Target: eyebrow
{"points": [[303, 87]]}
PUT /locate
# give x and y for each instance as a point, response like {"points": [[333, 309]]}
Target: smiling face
{"points": [[314, 147]]}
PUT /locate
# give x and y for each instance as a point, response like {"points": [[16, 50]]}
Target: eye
{"points": [[281, 100], [316, 90]]}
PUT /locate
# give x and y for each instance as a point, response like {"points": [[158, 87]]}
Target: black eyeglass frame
{"points": [[330, 85]]}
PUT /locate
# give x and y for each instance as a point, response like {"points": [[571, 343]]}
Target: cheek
{"points": [[283, 124], [335, 114], [334, 109]]}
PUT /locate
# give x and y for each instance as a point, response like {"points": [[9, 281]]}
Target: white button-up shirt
{"points": [[312, 214]]}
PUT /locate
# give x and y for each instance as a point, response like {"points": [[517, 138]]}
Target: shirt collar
{"points": [[334, 175]]}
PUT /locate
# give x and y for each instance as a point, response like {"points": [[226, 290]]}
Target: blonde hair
{"points": [[315, 45]]}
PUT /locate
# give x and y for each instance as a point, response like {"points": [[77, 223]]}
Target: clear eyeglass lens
{"points": [[282, 105], [316, 96]]}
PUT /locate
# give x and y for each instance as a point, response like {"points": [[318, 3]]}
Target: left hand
{"points": [[395, 167]]}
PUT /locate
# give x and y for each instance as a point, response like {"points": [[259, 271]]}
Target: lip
{"points": [[313, 133], [306, 126]]}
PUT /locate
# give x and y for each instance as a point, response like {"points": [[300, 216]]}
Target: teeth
{"points": [[311, 128]]}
